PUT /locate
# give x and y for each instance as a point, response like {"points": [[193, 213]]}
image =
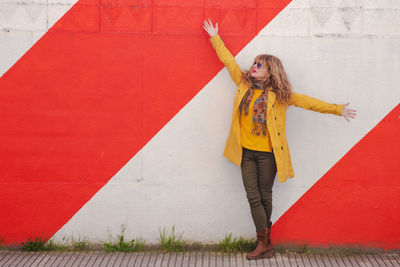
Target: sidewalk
{"points": [[186, 259]]}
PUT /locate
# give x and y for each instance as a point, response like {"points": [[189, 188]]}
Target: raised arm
{"points": [[222, 52]]}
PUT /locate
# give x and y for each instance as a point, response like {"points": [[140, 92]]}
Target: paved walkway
{"points": [[187, 259]]}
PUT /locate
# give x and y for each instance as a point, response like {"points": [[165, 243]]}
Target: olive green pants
{"points": [[258, 174]]}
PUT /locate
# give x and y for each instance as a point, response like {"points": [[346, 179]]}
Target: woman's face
{"points": [[259, 70]]}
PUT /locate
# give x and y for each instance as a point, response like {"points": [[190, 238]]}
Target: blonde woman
{"points": [[257, 139]]}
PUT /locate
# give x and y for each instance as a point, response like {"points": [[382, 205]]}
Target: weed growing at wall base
{"points": [[51, 245], [123, 246], [235, 245], [79, 245], [171, 242], [42, 244], [35, 244]]}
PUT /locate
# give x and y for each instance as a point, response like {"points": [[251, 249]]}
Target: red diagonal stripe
{"points": [[357, 201]]}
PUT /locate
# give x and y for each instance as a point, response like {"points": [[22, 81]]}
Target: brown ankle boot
{"points": [[264, 247], [269, 232]]}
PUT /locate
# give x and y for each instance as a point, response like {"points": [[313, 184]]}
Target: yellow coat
{"points": [[276, 115]]}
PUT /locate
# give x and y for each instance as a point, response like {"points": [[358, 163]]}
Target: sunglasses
{"points": [[258, 66]]}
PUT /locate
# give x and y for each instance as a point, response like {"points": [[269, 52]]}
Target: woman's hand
{"points": [[210, 28], [348, 113]]}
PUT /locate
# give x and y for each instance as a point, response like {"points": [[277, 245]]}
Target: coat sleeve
{"points": [[227, 59], [314, 104]]}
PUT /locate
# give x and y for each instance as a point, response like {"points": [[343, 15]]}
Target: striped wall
{"points": [[116, 113]]}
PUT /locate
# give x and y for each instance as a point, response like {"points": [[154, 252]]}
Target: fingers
{"points": [[208, 24], [347, 114], [351, 112], [344, 105], [350, 116]]}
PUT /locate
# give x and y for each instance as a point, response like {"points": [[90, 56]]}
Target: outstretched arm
{"points": [[314, 104], [222, 52]]}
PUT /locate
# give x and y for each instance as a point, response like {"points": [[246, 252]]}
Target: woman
{"points": [[257, 139]]}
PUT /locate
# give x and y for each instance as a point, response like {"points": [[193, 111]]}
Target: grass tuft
{"points": [[79, 245], [281, 250], [304, 250], [171, 241], [42, 244], [35, 244], [51, 245], [123, 246], [234, 245]]}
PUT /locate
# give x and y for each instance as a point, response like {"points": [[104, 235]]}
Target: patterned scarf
{"points": [[259, 108]]}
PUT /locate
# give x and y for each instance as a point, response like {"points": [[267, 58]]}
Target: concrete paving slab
{"points": [[127, 258], [164, 260], [75, 259], [238, 260], [3, 254], [172, 259], [388, 261], [397, 257], [24, 260], [92, 258], [329, 261], [35, 257], [159, 260], [15, 259], [139, 260], [298, 260], [309, 259], [362, 262], [5, 260], [341, 261], [40, 260], [85, 258], [277, 259], [146, 259], [101, 260], [352, 260], [371, 260], [192, 259], [43, 261], [211, 259]]}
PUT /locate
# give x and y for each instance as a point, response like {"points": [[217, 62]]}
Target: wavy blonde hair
{"points": [[277, 78]]}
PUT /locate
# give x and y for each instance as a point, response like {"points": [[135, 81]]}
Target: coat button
{"points": [[275, 118], [281, 147], [279, 133], [273, 105]]}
